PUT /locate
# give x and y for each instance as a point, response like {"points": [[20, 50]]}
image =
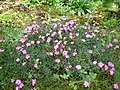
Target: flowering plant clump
{"points": [[64, 49]]}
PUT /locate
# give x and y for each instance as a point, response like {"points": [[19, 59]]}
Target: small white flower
{"points": [[0, 67]]}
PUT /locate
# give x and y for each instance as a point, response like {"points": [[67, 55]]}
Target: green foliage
{"points": [[14, 19], [31, 3], [81, 7], [53, 2], [111, 23], [72, 85]]}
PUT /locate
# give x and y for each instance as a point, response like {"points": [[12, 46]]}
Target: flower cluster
{"points": [[19, 84], [110, 66], [64, 45], [106, 67]]}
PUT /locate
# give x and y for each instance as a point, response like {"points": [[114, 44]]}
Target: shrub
{"points": [[62, 51]]}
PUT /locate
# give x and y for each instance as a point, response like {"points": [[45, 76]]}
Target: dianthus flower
{"points": [[86, 84]]}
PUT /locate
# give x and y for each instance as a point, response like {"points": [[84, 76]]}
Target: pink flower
{"points": [[27, 56], [86, 84], [74, 53], [43, 22], [57, 60], [112, 72], [110, 45], [107, 46], [110, 64], [56, 47], [94, 62], [115, 86], [71, 35], [100, 64], [90, 51], [35, 66], [57, 52], [68, 67], [53, 34], [38, 42], [1, 50], [17, 88], [94, 46], [78, 67], [1, 41], [65, 53], [97, 38], [49, 39], [90, 36], [93, 35], [59, 32], [116, 47], [72, 42], [86, 23], [47, 53], [67, 56], [17, 60], [47, 34], [21, 85], [96, 31], [18, 82], [65, 42], [24, 63], [87, 36], [105, 67], [86, 33], [21, 49], [77, 34], [89, 28], [115, 40], [24, 52], [34, 81], [104, 34], [18, 48], [32, 42], [90, 16], [51, 54], [103, 50], [55, 26], [62, 46], [23, 40], [83, 40], [55, 41], [61, 29], [25, 31], [28, 44], [34, 88], [113, 69]]}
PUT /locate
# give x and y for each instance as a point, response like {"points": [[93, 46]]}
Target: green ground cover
{"points": [[60, 45]]}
